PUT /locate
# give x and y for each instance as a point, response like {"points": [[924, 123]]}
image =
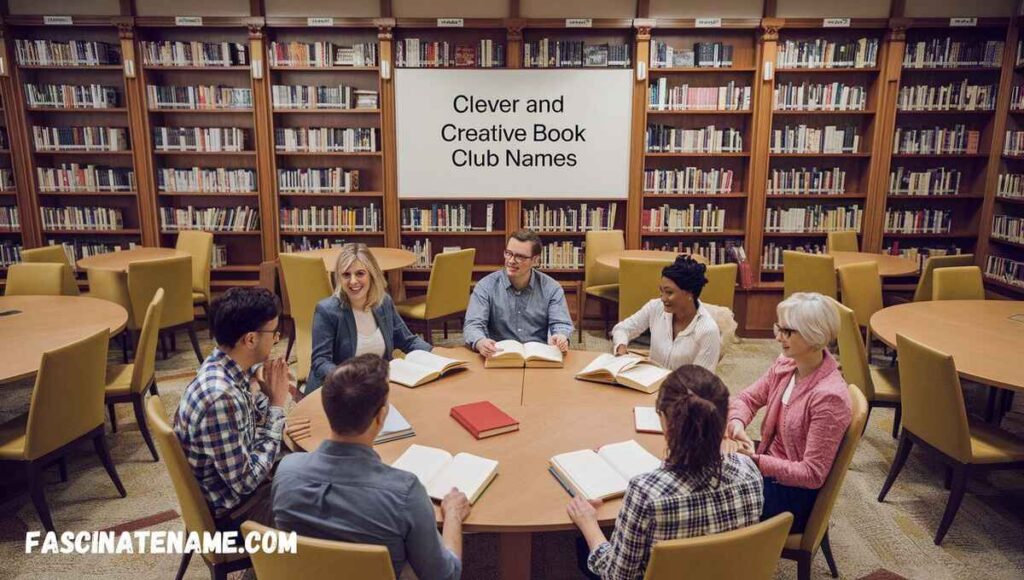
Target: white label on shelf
{"points": [[58, 20], [708, 23], [188, 20], [963, 21], [579, 22], [767, 73], [450, 23], [835, 23], [320, 21]]}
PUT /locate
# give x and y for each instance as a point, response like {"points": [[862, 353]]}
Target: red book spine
{"points": [[465, 423]]}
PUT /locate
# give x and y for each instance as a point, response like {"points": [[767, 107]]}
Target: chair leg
{"points": [[108, 463], [162, 339], [990, 406], [583, 313], [195, 342], [186, 557], [218, 573], [124, 346], [896, 421], [956, 495], [172, 337], [152, 389], [206, 314], [947, 484], [62, 465], [291, 342], [140, 418], [803, 566], [35, 487], [444, 326], [428, 334], [826, 549], [902, 452], [113, 417]]}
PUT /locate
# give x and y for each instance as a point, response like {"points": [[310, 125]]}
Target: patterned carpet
{"points": [[869, 539]]}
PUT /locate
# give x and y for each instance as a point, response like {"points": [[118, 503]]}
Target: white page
{"points": [[610, 363], [422, 461], [394, 422], [544, 351], [629, 458], [591, 474], [466, 472], [646, 419], [406, 373], [430, 360], [505, 346], [645, 374]]}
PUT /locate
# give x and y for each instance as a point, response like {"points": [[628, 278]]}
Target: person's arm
{"points": [[709, 348], [218, 435], [828, 420], [325, 328], [625, 556], [477, 315], [425, 549], [559, 321], [746, 404], [632, 327], [403, 338]]}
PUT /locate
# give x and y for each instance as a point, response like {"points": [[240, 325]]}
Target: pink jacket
{"points": [[816, 420]]}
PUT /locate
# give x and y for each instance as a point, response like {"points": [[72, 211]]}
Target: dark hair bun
{"points": [[687, 273]]}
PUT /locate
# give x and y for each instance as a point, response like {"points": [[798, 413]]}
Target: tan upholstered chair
{"points": [[639, 282], [803, 547], [447, 293], [112, 286], [600, 282], [315, 558], [714, 557], [842, 242], [958, 283], [174, 275], [861, 291], [54, 255], [880, 385], [66, 409], [307, 283], [35, 280], [200, 245], [721, 287], [129, 383], [804, 272], [934, 416], [195, 512], [923, 292]]}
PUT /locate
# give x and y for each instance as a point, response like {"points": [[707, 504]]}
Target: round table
{"points": [[985, 337], [387, 258], [557, 414], [888, 266], [119, 260], [48, 322], [611, 259]]}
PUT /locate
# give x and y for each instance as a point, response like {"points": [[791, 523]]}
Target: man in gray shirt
{"points": [[519, 302], [342, 491]]}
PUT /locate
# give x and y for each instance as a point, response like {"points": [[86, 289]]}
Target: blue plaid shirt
{"points": [[230, 434], [661, 505]]}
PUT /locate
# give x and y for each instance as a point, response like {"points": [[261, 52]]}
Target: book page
{"points": [[394, 422], [646, 419], [539, 350], [629, 458], [431, 361], [645, 374], [593, 476], [611, 363], [466, 472], [408, 373], [424, 462], [509, 347]]}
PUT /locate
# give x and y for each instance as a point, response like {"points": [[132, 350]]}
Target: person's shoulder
{"points": [[400, 479], [329, 305], [739, 467], [490, 280], [293, 464], [654, 483]]}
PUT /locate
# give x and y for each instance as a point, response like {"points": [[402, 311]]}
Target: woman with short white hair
{"points": [[808, 408]]}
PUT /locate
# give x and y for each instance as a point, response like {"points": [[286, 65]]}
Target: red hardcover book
{"points": [[483, 419]]}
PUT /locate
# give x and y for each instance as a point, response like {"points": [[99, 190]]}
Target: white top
{"points": [[789, 390], [369, 339], [699, 343]]}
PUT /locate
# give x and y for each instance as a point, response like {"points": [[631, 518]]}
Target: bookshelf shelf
{"points": [[695, 196], [960, 234], [814, 155], [824, 112], [101, 67], [90, 153], [285, 232], [204, 153], [207, 194], [237, 269], [1008, 243], [815, 196], [279, 111], [214, 232], [122, 232], [165, 111], [828, 70], [328, 153], [722, 234], [691, 154], [76, 111], [332, 195], [88, 193], [945, 112], [693, 70], [214, 69], [279, 68], [1003, 285], [699, 112], [797, 234], [417, 233]]}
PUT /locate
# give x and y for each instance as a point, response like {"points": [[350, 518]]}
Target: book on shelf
{"points": [[322, 54], [929, 181], [962, 96], [701, 55], [395, 427], [1008, 227], [366, 218], [1010, 186], [194, 53], [77, 177], [418, 53], [199, 139], [53, 96], [690, 218], [584, 217], [562, 255], [317, 180], [444, 218], [322, 98], [82, 139], [628, 370], [214, 219], [919, 221], [325, 139], [807, 181], [10, 252], [646, 420], [514, 354], [82, 218], [957, 139], [420, 367], [548, 53], [198, 97], [605, 473], [807, 96], [812, 219], [439, 471], [1005, 270], [205, 180], [730, 97], [827, 53], [484, 419], [72, 53], [220, 256], [804, 139], [948, 52], [10, 217], [689, 180], [710, 139], [771, 254]]}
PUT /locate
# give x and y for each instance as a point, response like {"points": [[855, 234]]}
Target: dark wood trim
{"points": [[514, 10], [257, 8], [691, 23], [467, 22], [385, 9], [128, 7], [643, 8], [339, 22], [208, 22], [770, 9]]}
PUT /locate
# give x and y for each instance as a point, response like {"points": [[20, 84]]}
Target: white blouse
{"points": [[369, 339], [699, 343]]}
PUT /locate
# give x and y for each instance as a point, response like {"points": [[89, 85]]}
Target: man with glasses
{"points": [[518, 303], [229, 430]]}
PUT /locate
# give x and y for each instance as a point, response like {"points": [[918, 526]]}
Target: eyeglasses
{"points": [[275, 332], [519, 258], [783, 331]]}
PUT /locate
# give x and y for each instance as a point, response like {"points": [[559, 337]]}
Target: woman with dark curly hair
{"points": [[683, 331], [698, 491]]}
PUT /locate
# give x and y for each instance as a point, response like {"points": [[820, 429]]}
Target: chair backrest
{"points": [[817, 522], [112, 286], [861, 289], [853, 355], [316, 558], [932, 399], [923, 292], [200, 246], [721, 287], [145, 354], [639, 281], [842, 242], [450, 279], [596, 244], [751, 553], [958, 283], [803, 272], [307, 283], [67, 401], [54, 255], [174, 275], [35, 279]]}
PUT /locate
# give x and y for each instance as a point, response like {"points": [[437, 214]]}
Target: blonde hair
{"points": [[813, 315], [378, 286]]}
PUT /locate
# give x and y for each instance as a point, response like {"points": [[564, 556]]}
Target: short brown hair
{"points": [[354, 392], [527, 235]]}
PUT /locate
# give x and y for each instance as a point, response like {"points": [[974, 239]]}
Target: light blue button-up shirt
{"points": [[497, 310]]}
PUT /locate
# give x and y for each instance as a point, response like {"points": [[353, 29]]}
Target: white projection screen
{"points": [[513, 133]]}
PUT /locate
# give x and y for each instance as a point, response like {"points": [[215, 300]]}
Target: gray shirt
{"points": [[342, 491], [500, 312]]}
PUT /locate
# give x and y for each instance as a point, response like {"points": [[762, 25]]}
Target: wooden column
{"points": [[266, 173], [388, 134], [21, 150], [138, 127], [638, 131], [757, 176], [513, 60]]}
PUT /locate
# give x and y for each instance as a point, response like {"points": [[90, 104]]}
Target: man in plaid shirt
{"points": [[230, 432]]}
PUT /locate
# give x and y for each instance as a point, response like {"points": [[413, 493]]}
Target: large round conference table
{"points": [[984, 337], [611, 259], [43, 323], [119, 260], [387, 258], [557, 414], [888, 265]]}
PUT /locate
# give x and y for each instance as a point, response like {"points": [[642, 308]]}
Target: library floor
{"points": [[869, 539]]}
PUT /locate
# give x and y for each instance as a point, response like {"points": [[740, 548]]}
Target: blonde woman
{"points": [[359, 318]]}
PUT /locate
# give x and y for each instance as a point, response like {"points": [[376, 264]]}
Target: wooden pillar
{"points": [[638, 131], [757, 175], [513, 60], [388, 134], [138, 127], [266, 173], [21, 150]]}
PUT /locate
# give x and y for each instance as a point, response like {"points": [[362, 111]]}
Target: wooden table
{"points": [[387, 258], [888, 266], [611, 259], [524, 498], [119, 260], [46, 323], [985, 337]]}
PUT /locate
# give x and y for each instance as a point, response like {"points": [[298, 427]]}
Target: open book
{"points": [[647, 420], [512, 354], [395, 427], [605, 473], [628, 370], [420, 366], [439, 472]]}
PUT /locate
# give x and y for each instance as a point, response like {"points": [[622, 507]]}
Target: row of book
{"points": [[931, 181], [691, 218], [806, 139], [729, 97], [921, 253], [43, 52], [714, 251], [212, 139], [76, 249], [957, 139], [322, 54], [212, 219], [326, 139], [317, 180], [562, 255], [582, 218], [194, 53], [10, 253], [417, 53], [6, 179], [702, 55], [962, 96], [1017, 98], [771, 253], [79, 177], [1005, 270], [710, 139], [1008, 227], [1010, 185], [952, 53], [1014, 143], [423, 251], [807, 181], [205, 180], [82, 218], [220, 256], [304, 243], [198, 97], [807, 96], [10, 218], [445, 217], [918, 221], [306, 97], [826, 53], [689, 180], [80, 138], [814, 218], [335, 219], [54, 96], [549, 53]]}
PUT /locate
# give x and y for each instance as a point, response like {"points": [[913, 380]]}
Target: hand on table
{"points": [[456, 505], [486, 347], [297, 428], [560, 341], [583, 512], [621, 350]]}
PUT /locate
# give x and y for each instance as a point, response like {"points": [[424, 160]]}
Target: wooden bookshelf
{"points": [[11, 241]]}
